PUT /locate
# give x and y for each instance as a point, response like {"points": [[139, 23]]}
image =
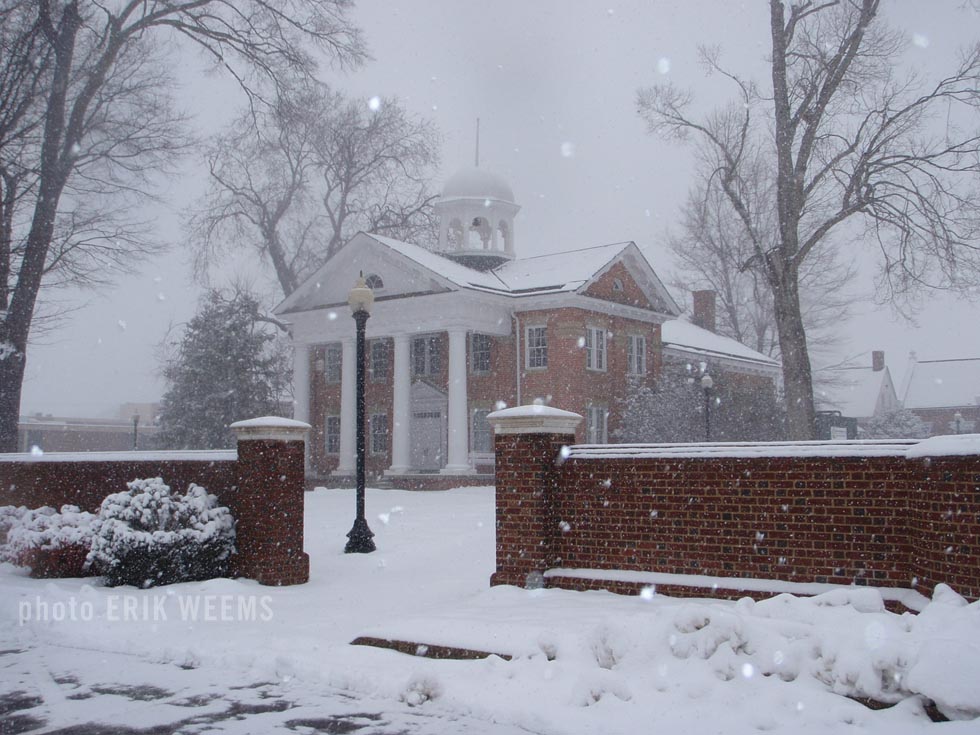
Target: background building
{"points": [[456, 333]]}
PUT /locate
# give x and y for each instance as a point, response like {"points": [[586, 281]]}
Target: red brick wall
{"points": [[85, 483], [944, 520], [263, 488], [877, 521]]}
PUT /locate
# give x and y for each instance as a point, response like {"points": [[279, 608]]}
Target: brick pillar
{"points": [[268, 503], [528, 445]]}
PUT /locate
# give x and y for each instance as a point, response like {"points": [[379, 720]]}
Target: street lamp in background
{"points": [[707, 383], [361, 298], [958, 418], [136, 431]]}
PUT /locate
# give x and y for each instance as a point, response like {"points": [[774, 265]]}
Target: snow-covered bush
{"points": [[51, 543], [10, 516], [149, 536]]}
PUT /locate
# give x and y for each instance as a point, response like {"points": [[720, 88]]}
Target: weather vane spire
{"points": [[478, 142]]}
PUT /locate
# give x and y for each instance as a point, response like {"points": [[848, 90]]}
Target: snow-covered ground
{"points": [[232, 656]]}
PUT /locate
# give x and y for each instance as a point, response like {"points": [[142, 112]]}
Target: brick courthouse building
{"points": [[471, 327]]}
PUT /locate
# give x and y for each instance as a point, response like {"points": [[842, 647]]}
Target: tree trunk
{"points": [[55, 168], [797, 379]]}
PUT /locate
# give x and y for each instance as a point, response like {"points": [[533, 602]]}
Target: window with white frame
{"points": [[595, 348], [482, 432], [636, 354], [480, 353], [332, 434], [427, 355], [536, 346], [333, 359], [596, 424], [379, 361], [379, 433]]}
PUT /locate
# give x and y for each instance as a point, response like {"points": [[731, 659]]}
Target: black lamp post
{"points": [[707, 383], [360, 538], [136, 431], [958, 418]]}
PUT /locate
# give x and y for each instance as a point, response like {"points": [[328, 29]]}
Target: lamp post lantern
{"points": [[707, 383], [361, 298]]}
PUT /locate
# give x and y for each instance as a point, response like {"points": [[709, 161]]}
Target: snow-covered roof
{"points": [[477, 183], [452, 271], [566, 271], [681, 335], [942, 383], [855, 392]]}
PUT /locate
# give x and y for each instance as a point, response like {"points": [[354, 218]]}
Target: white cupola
{"points": [[476, 219]]}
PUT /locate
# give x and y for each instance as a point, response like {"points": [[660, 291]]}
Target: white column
{"points": [[401, 406], [348, 400], [301, 382], [459, 435], [301, 388]]}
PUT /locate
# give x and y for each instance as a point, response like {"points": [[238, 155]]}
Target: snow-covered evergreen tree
{"points": [[901, 424], [226, 367]]}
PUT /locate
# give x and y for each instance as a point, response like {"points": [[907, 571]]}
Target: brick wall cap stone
{"points": [[534, 419], [273, 428]]}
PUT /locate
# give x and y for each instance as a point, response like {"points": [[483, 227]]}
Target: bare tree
{"points": [[856, 156], [99, 107], [294, 181], [711, 252]]}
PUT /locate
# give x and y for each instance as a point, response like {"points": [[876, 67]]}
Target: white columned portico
{"points": [[301, 387], [348, 399], [458, 425], [401, 406]]}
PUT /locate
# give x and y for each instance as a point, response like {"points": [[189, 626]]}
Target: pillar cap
{"points": [[272, 428], [534, 419]]}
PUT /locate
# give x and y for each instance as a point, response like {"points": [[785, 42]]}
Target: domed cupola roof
{"points": [[477, 183]]}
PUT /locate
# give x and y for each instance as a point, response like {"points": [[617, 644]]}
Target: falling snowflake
{"points": [[567, 149], [920, 40], [663, 65], [374, 103]]}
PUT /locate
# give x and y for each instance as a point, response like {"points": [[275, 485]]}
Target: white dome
{"points": [[477, 183]]}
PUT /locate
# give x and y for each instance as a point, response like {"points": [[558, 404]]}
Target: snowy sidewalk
{"points": [[49, 689], [234, 656]]}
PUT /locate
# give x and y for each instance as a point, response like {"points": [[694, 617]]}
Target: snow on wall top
{"points": [[885, 448], [946, 446], [208, 455], [942, 383], [683, 335], [270, 422], [937, 446]]}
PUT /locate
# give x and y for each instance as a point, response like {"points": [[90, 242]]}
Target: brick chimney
{"points": [[878, 360], [704, 310]]}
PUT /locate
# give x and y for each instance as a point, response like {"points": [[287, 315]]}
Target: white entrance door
{"points": [[429, 408]]}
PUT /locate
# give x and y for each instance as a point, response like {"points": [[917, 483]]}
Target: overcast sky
{"points": [[554, 85]]}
